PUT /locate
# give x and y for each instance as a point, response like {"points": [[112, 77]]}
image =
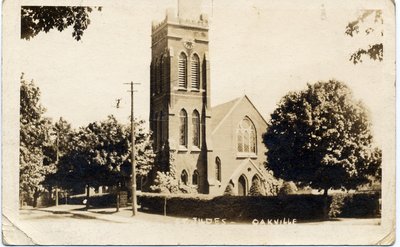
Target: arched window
{"points": [[195, 177], [160, 130], [195, 69], [161, 76], [184, 177], [246, 137], [157, 76], [218, 169], [153, 78], [196, 128], [156, 129], [182, 70], [183, 128]]}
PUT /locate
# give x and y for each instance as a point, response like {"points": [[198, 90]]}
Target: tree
{"points": [[61, 143], [34, 139], [321, 137], [101, 156], [374, 51], [256, 188], [36, 19], [79, 165]]}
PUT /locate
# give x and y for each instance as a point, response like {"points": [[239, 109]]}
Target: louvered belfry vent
{"points": [[182, 74], [195, 69]]}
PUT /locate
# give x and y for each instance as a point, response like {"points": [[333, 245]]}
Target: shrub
{"points": [[165, 182], [288, 188], [336, 205], [272, 185], [168, 182], [229, 190], [355, 205], [256, 189]]}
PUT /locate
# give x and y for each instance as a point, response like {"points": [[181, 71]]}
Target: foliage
{"points": [[168, 182], [34, 140], [61, 135], [229, 190], [272, 185], [256, 188], [355, 205], [237, 208], [337, 204], [288, 188], [101, 154], [321, 137], [144, 154], [374, 51], [36, 19]]}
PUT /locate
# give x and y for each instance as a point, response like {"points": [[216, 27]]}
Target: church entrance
{"points": [[242, 186]]}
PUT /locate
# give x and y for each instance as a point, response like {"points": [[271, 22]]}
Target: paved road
{"points": [[69, 225]]}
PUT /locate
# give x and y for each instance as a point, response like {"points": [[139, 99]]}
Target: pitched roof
{"points": [[222, 111]]}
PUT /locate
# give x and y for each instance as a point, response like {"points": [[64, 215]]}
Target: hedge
{"points": [[355, 205], [245, 208], [104, 200], [238, 208]]}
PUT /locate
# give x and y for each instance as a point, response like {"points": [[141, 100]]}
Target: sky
{"points": [[263, 49]]}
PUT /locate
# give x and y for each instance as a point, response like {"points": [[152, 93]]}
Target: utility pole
{"points": [[133, 160], [57, 158]]}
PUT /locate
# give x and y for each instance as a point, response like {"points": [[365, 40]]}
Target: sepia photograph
{"points": [[198, 122]]}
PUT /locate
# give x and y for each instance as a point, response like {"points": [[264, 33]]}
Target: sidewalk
{"points": [[106, 214]]}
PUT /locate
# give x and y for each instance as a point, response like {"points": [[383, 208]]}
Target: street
{"points": [[69, 224]]}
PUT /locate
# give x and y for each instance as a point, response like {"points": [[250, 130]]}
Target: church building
{"points": [[210, 147]]}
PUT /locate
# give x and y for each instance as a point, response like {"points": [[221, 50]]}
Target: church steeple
{"points": [[180, 97]]}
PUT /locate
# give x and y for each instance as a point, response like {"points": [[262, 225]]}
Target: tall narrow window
{"points": [[195, 177], [161, 76], [152, 76], [196, 128], [195, 69], [161, 123], [182, 70], [159, 126], [184, 177], [157, 76], [218, 169], [183, 128], [246, 137], [156, 130]]}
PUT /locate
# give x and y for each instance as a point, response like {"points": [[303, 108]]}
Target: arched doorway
{"points": [[242, 186]]}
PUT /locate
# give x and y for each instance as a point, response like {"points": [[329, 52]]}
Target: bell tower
{"points": [[180, 111]]}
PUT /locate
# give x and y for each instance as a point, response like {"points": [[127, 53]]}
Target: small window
{"points": [[183, 128], [195, 178], [218, 169], [184, 177], [182, 71], [195, 69], [196, 128]]}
